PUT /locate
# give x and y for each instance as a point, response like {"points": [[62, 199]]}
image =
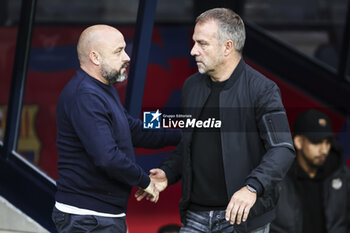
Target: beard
{"points": [[112, 75], [313, 163]]}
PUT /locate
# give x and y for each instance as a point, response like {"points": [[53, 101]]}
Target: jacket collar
{"points": [[234, 76]]}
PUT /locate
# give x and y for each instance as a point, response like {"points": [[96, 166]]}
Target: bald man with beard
{"points": [[96, 138]]}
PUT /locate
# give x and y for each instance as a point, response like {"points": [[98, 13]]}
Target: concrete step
{"points": [[12, 220]]}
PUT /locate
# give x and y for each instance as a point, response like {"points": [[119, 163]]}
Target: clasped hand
{"points": [[158, 183]]}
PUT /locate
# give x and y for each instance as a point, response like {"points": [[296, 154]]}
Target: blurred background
{"points": [[302, 45]]}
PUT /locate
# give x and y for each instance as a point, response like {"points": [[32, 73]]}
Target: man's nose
{"points": [[126, 57], [324, 148], [194, 50]]}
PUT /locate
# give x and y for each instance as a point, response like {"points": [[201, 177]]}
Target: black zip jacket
{"points": [[256, 144], [336, 198]]}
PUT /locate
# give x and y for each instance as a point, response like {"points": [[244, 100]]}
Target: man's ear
{"points": [[229, 47], [298, 142], [95, 57]]}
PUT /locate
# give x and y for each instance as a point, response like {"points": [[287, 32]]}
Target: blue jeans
{"points": [[212, 222], [71, 223]]}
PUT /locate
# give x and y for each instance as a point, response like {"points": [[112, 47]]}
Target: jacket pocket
{"points": [[277, 130]]}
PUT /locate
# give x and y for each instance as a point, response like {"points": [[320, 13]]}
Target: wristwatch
{"points": [[250, 188]]}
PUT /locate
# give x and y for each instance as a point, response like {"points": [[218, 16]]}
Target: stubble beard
{"points": [[311, 163]]}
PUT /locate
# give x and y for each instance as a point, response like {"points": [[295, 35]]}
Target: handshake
{"points": [[158, 183]]}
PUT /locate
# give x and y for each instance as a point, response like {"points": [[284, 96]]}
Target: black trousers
{"points": [[71, 223]]}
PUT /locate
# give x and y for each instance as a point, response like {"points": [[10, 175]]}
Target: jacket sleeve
{"points": [[92, 125], [274, 132], [152, 138], [172, 165]]}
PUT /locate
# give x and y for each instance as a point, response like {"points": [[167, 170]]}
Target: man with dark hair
{"points": [[229, 174], [315, 195]]}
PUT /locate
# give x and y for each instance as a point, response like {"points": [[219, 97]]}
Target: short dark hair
{"points": [[230, 26]]}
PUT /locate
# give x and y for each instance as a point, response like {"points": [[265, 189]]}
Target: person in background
{"points": [[315, 195], [96, 138]]}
